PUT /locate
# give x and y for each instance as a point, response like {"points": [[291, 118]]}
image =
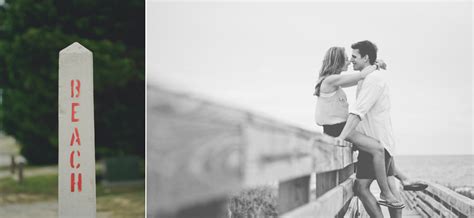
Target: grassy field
{"points": [[123, 201]]}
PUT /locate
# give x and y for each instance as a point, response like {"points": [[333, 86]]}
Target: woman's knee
{"points": [[378, 151]]}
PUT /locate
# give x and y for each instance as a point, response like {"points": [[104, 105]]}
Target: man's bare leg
{"points": [[372, 146], [394, 213], [362, 190]]}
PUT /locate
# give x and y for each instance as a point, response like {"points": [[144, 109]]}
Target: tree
{"points": [[32, 34]]}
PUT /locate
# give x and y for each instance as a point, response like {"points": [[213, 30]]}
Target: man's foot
{"points": [[390, 201], [414, 185], [394, 205]]}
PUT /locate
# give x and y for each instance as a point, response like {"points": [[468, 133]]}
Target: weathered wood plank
{"points": [[188, 106], [282, 153], [328, 157], [445, 212], [343, 210], [272, 155], [345, 173], [408, 211], [190, 159], [325, 182], [331, 140], [278, 152], [327, 205], [293, 193], [353, 208], [421, 212], [461, 203], [347, 193], [412, 207], [426, 208], [408, 200]]}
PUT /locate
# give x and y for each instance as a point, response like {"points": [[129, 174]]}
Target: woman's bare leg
{"points": [[404, 179], [399, 174], [372, 146]]}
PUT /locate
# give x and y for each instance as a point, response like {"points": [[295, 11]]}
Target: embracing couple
{"points": [[366, 124]]}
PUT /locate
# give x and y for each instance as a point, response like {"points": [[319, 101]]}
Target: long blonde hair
{"points": [[333, 62]]}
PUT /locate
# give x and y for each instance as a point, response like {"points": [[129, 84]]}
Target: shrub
{"points": [[254, 202]]}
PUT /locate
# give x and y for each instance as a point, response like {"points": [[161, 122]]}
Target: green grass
{"points": [[123, 204], [38, 188], [121, 201], [38, 185]]}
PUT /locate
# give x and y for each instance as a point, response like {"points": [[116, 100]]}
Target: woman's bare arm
{"points": [[348, 80]]}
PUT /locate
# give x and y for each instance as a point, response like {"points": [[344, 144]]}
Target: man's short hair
{"points": [[366, 48]]}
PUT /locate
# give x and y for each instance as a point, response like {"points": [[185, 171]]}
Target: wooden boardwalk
{"points": [[201, 153], [435, 201], [409, 211]]}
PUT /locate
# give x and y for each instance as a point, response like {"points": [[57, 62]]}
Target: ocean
{"points": [[447, 170]]}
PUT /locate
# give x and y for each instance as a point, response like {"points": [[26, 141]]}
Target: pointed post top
{"points": [[75, 47]]}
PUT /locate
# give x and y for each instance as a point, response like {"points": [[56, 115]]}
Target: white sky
{"points": [[265, 57]]}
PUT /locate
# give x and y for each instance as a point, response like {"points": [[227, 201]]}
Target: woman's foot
{"points": [[413, 185]]}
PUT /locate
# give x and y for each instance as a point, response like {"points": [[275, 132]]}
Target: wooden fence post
{"points": [[12, 164], [21, 166], [76, 189]]}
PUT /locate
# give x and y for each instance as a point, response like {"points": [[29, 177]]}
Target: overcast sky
{"points": [[265, 57]]}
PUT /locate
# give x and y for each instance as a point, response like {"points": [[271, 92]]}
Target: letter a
{"points": [[75, 137]]}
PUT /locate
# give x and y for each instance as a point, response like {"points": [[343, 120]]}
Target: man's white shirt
{"points": [[373, 107]]}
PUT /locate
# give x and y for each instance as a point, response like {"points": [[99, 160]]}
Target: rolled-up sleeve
{"points": [[367, 97]]}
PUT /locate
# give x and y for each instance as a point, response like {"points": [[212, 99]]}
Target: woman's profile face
{"points": [[346, 63]]}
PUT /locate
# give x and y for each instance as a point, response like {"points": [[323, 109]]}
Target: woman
{"points": [[332, 111]]}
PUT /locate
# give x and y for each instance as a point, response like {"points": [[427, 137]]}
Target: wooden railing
{"points": [[439, 201], [199, 153]]}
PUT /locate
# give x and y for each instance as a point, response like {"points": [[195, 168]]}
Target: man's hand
{"points": [[352, 122]]}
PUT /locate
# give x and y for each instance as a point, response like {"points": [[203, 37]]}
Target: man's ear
{"points": [[366, 58]]}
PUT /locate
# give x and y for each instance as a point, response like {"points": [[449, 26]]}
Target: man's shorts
{"points": [[365, 166]]}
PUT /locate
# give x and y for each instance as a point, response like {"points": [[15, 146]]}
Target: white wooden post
{"points": [[77, 194]]}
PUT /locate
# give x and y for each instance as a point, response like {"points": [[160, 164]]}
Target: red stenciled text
{"points": [[76, 177]]}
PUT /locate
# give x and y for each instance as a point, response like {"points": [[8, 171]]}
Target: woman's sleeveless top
{"points": [[332, 108]]}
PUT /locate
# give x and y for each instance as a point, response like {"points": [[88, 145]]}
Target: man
{"points": [[371, 115]]}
